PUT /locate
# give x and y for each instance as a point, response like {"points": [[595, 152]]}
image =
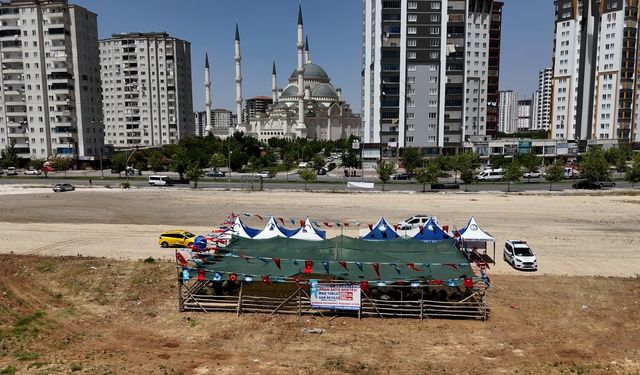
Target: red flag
{"points": [[301, 223], [277, 262], [421, 228], [345, 224], [435, 282], [370, 226], [326, 224], [454, 266], [308, 266], [281, 220], [364, 285], [260, 217], [265, 279], [445, 228], [181, 260], [468, 283], [233, 277], [297, 280], [413, 267], [343, 264], [395, 227], [376, 267], [201, 274]]}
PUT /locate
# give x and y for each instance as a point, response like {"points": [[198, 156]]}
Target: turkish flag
{"points": [[468, 283], [376, 267], [364, 285], [233, 277], [277, 262], [201, 274], [343, 264], [308, 266], [265, 279], [181, 260]]}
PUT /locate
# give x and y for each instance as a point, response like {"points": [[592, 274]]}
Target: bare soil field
{"points": [[113, 311]]}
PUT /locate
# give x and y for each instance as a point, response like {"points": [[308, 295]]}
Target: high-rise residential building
{"points": [[146, 84], [595, 80], [523, 122], [255, 105], [541, 112], [507, 112], [200, 123], [49, 79], [428, 68], [221, 118]]}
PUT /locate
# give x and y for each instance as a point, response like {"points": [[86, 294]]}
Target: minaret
{"points": [[238, 78], [300, 127], [307, 55], [274, 84], [207, 94]]}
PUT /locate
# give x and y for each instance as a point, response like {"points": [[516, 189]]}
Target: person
{"points": [[90, 183]]}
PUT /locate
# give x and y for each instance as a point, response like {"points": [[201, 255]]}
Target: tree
{"points": [[555, 173], [512, 174], [497, 161], [318, 162], [36, 163], [193, 172], [465, 162], [217, 160], [155, 161], [618, 156], [467, 176], [385, 169], [179, 162], [428, 174], [594, 166], [119, 162], [9, 155], [530, 162], [411, 159], [633, 173], [61, 163], [307, 175]]}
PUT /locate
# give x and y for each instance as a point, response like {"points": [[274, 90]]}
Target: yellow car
{"points": [[176, 238]]}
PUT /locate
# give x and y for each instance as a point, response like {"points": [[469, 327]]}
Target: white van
{"points": [[490, 175], [157, 180]]}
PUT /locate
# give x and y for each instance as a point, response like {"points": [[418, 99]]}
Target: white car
{"points": [[263, 174], [519, 255], [533, 174], [32, 172], [414, 222]]}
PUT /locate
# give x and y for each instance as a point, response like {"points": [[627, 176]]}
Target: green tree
{"points": [[119, 162], [466, 161], [36, 164], [498, 161], [9, 155], [594, 165], [467, 176], [193, 172], [555, 173], [179, 162], [530, 162], [385, 169], [428, 174], [155, 161], [307, 175], [411, 159], [318, 162], [512, 174], [633, 173], [618, 156], [61, 163]]}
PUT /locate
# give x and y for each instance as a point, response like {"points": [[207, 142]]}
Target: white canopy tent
{"points": [[309, 232], [474, 237], [241, 230], [272, 229]]}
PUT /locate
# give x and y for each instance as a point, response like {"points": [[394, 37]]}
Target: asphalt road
{"points": [[325, 183]]}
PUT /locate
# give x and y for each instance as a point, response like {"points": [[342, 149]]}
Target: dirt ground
{"points": [[111, 312]]}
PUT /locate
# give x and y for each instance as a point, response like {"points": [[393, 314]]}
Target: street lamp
{"points": [[100, 149]]}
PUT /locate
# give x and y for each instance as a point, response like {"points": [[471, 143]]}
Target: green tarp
{"points": [[431, 261]]}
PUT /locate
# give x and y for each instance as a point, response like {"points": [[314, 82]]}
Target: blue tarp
{"points": [[382, 231], [431, 232]]}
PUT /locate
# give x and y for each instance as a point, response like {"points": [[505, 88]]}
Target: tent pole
{"points": [[494, 251], [299, 304], [239, 309], [421, 304]]}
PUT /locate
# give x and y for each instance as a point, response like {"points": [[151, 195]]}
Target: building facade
{"points": [[523, 122], [50, 101], [541, 102], [146, 83], [595, 75], [429, 71], [508, 112], [255, 105]]}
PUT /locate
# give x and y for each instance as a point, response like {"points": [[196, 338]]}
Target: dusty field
{"points": [[117, 314]]}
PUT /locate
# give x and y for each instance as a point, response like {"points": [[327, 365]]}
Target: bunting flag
{"points": [[281, 220], [280, 279], [451, 283], [247, 214], [259, 217], [395, 227], [293, 221], [339, 225], [468, 283], [396, 267], [245, 257], [295, 262], [454, 266], [297, 280], [421, 228], [181, 260], [435, 282], [265, 279], [413, 267], [201, 275], [415, 284], [217, 277], [185, 274], [344, 264], [376, 267], [277, 262], [381, 283], [346, 224], [301, 223], [370, 226], [445, 228], [316, 224], [359, 265], [326, 266], [364, 285], [263, 259], [327, 224], [308, 266], [233, 277]]}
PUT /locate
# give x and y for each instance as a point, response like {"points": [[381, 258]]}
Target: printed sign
{"points": [[335, 296]]}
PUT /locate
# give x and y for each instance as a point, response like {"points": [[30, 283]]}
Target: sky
{"points": [[334, 29]]}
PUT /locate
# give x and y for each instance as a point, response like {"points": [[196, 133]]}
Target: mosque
{"points": [[307, 107]]}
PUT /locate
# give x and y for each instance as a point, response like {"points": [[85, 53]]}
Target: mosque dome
{"points": [[324, 90], [291, 91], [312, 72]]}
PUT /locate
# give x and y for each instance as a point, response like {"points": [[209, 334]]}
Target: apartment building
{"points": [[427, 72], [523, 121], [220, 119], [50, 101], [255, 105], [541, 102], [508, 112], [146, 83]]}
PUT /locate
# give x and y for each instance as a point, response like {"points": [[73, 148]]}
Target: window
{"points": [[435, 5], [412, 30], [412, 18], [412, 5], [411, 55], [412, 43]]}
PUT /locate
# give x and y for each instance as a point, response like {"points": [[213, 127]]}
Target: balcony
{"points": [[58, 55], [11, 45], [64, 150], [61, 87], [61, 76]]}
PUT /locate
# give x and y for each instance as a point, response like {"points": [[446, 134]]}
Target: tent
{"points": [[309, 232], [381, 231], [431, 232], [241, 230], [272, 229], [474, 237]]}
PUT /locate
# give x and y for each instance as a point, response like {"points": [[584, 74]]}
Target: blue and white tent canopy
{"points": [[431, 232], [241, 230], [309, 232], [382, 231], [272, 229], [472, 232]]}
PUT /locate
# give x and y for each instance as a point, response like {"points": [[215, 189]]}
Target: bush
{"points": [[125, 185]]}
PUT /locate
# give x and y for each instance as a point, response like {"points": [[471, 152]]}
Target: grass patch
{"points": [[26, 356], [9, 370], [149, 260], [37, 364], [26, 326], [46, 266], [76, 367]]}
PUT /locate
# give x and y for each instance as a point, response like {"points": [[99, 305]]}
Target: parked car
{"points": [[12, 171], [401, 176], [216, 173], [584, 184], [413, 222], [176, 238], [532, 174], [32, 172], [158, 180], [263, 174], [58, 188], [490, 175], [606, 183], [322, 171], [519, 255]]}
